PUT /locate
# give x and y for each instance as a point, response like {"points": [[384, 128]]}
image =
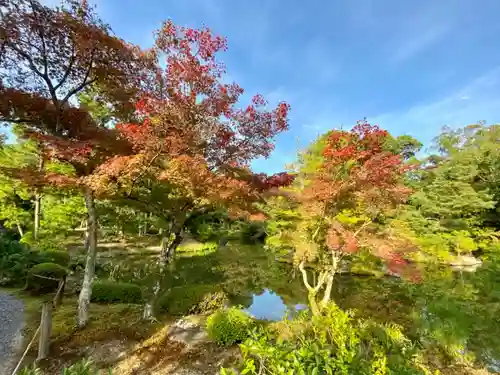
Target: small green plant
{"points": [[229, 326], [44, 277], [83, 367], [32, 370], [112, 292]]}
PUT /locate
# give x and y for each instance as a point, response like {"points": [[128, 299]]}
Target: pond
{"points": [[459, 311], [269, 306]]}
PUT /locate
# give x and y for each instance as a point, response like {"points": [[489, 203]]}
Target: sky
{"points": [[409, 66]]}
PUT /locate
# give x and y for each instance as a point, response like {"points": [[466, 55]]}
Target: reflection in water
{"points": [[270, 306], [457, 311]]}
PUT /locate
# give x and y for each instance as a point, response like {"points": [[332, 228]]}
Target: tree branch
{"points": [[68, 70], [304, 276], [84, 82], [143, 171]]}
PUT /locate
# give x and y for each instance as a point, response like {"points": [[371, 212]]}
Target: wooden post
{"points": [[45, 331]]}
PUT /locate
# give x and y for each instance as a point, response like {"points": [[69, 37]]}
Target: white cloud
{"points": [[476, 101], [418, 43]]}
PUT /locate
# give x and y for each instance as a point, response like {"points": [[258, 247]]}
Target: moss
{"points": [[188, 299], [106, 321]]}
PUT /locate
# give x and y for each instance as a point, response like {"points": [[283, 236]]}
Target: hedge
{"points": [[47, 270], [50, 256], [114, 292]]}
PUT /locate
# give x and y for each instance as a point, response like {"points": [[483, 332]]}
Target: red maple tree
{"points": [[193, 143], [356, 181], [48, 57]]}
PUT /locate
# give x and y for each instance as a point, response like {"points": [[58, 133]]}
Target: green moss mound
{"points": [[106, 291], [229, 326]]}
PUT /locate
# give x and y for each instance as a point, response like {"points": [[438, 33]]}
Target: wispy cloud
{"points": [[419, 42], [479, 100]]}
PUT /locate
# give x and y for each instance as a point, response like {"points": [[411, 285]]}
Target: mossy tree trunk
{"points": [[91, 242]]}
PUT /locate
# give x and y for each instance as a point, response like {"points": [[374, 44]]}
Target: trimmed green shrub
{"points": [[112, 292], [50, 274], [184, 300], [50, 256], [229, 326]]}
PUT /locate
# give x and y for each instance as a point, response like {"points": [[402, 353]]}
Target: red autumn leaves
{"points": [[358, 174]]}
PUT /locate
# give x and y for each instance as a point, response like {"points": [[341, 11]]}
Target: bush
{"points": [[334, 343], [112, 292], [229, 326], [50, 256], [47, 270], [184, 300]]}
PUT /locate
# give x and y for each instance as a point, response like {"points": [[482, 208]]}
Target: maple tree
{"points": [[193, 145], [48, 56], [352, 180]]}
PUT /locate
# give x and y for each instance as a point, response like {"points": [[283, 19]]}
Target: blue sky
{"points": [[410, 66]]}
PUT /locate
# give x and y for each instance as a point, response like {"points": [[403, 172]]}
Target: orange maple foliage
{"points": [[191, 141], [357, 174]]}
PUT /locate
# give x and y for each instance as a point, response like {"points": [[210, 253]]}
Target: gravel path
{"points": [[11, 324]]}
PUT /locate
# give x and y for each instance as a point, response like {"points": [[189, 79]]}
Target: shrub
{"points": [[47, 270], [184, 300], [229, 326], [334, 343], [50, 256], [112, 292]]}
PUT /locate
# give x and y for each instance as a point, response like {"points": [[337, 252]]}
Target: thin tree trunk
{"points": [[86, 291], [36, 224], [329, 281], [313, 304], [328, 290], [20, 229], [38, 201], [167, 254]]}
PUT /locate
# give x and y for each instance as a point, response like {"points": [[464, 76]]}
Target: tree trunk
{"points": [[20, 229], [313, 304], [169, 246], [167, 254], [328, 290], [38, 201], [86, 291], [36, 224], [329, 280]]}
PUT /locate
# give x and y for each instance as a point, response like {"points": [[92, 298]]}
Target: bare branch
{"points": [[84, 83], [304, 276]]}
